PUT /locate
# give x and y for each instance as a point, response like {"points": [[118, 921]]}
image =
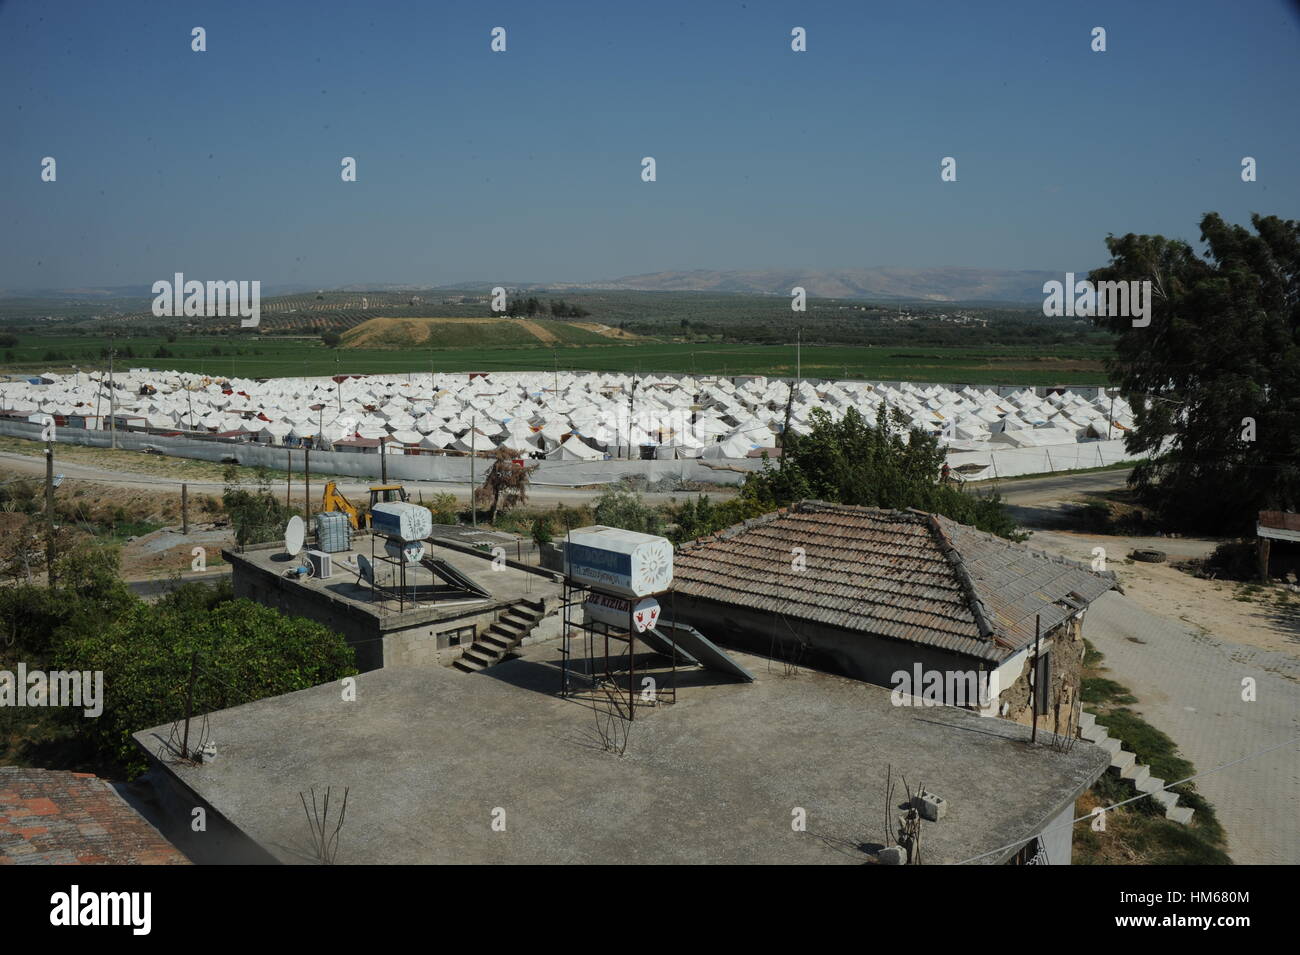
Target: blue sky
{"points": [[525, 165]]}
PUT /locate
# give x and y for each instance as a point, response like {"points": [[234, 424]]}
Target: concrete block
{"points": [[1180, 814], [1086, 721], [1137, 775], [1165, 798], [1122, 761], [930, 806], [1150, 784], [1110, 745], [892, 855], [1094, 733]]}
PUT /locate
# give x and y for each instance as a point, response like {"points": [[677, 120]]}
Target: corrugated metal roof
{"points": [[906, 575]]}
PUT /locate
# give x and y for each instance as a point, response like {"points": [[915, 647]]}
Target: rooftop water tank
{"points": [[403, 520], [616, 561]]}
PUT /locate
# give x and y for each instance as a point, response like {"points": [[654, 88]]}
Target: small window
{"points": [[457, 637]]}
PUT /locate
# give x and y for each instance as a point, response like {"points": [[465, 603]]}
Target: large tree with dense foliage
{"points": [[1214, 379], [852, 461], [240, 651], [90, 620]]}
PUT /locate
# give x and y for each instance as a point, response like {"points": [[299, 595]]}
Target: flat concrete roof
{"points": [[506, 584], [430, 752]]}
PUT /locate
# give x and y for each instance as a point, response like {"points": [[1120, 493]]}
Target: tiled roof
{"points": [[1280, 520], [906, 575], [57, 818]]}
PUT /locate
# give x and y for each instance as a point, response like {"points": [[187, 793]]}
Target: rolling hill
{"points": [[419, 333]]}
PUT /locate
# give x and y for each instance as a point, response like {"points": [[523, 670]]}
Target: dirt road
{"points": [[21, 465]]}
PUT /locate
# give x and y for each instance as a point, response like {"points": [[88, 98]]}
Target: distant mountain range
{"points": [[930, 285], [875, 284]]}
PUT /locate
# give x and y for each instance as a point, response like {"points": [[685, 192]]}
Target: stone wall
{"points": [[1065, 646]]}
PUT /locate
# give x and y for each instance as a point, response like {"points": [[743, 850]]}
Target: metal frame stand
{"points": [[401, 573], [589, 635]]}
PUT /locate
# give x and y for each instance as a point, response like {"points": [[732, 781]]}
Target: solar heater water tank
{"points": [[616, 561], [403, 520]]}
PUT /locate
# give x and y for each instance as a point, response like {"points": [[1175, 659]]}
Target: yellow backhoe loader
{"points": [[334, 500]]}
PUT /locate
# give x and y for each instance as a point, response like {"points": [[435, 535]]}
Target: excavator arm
{"points": [[333, 500]]}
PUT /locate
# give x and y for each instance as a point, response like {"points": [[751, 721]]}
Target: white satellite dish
{"points": [[367, 571], [294, 535]]}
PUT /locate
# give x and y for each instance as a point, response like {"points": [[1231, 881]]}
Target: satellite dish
{"points": [[367, 571], [294, 535]]}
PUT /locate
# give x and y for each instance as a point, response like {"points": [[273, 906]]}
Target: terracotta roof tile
{"points": [[57, 818], [901, 574]]}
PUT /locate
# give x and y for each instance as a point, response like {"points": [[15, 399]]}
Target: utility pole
{"points": [[1110, 418], [112, 401], [288, 477], [306, 473], [185, 508], [473, 485], [49, 513], [1033, 699], [631, 415]]}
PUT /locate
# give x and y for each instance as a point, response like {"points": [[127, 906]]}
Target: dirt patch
{"points": [[608, 331], [168, 551], [1256, 617], [541, 332]]}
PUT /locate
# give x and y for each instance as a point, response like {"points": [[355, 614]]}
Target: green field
{"points": [[271, 357]]}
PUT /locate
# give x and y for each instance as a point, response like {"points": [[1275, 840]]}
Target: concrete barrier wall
{"points": [[401, 467], [1004, 462], [1009, 462]]}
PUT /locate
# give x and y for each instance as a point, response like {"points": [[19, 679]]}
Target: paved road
{"points": [[540, 494], [1189, 685], [157, 586], [1057, 487]]}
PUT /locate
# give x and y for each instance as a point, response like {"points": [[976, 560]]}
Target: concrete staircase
{"points": [[1125, 765], [516, 622]]}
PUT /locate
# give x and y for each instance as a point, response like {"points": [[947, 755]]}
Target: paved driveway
{"points": [[1189, 685]]}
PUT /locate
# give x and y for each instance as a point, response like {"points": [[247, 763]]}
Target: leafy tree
{"points": [[87, 591], [542, 531], [445, 508], [506, 483], [258, 516], [882, 465], [1222, 347], [331, 338], [244, 652], [623, 507]]}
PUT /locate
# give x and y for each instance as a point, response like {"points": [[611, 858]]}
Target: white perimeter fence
{"points": [[1002, 463]]}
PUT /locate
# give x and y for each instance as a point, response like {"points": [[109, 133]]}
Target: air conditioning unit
{"points": [[322, 565]]}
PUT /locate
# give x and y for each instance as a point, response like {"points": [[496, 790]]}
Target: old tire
{"points": [[1149, 556]]}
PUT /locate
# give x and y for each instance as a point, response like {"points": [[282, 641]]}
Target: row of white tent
{"points": [[567, 416]]}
